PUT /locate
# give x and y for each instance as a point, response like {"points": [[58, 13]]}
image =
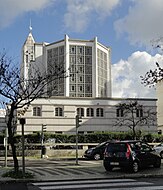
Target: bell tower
{"points": [[28, 54]]}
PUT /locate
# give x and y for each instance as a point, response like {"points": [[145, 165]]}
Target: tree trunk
{"points": [[11, 136], [134, 133], [13, 147]]}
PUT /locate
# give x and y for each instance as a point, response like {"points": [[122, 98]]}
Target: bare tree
{"points": [[133, 115], [152, 77], [20, 92]]}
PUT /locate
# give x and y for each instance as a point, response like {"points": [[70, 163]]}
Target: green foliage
{"points": [[18, 175], [33, 138], [92, 137]]}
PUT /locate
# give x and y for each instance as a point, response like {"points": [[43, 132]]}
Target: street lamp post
{"points": [[5, 144], [6, 139], [22, 122]]}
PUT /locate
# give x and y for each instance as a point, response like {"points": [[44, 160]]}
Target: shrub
{"points": [[97, 137], [19, 175]]}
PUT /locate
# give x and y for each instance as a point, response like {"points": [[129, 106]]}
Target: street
{"points": [[94, 183]]}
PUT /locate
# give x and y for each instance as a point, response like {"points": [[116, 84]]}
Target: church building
{"points": [[87, 93]]}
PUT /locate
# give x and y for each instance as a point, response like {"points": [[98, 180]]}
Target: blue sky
{"points": [[126, 26]]}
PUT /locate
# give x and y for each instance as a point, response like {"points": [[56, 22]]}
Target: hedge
{"points": [[97, 137]]}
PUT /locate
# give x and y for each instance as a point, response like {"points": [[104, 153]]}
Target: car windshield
{"points": [[118, 147]]}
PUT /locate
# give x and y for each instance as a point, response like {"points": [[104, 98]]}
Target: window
{"points": [[88, 60], [26, 58], [31, 57], [58, 111], [80, 60], [80, 78], [61, 50], [80, 88], [80, 112], [90, 112], [81, 132], [139, 113], [72, 88], [81, 69], [88, 50], [88, 88], [99, 112], [72, 77], [119, 112], [80, 50], [72, 49], [58, 132], [36, 111], [88, 132]]}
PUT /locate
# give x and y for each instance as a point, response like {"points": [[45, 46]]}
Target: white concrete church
{"points": [[87, 93]]}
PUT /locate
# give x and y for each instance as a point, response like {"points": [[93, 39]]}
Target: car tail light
{"points": [[128, 153]]}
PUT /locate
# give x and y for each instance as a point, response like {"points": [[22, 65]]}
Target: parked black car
{"points": [[130, 154], [97, 152]]}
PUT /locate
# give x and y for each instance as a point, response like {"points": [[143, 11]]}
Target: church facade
{"points": [[87, 93]]}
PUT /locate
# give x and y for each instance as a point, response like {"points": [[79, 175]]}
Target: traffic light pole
{"points": [[42, 138], [78, 120], [77, 146]]}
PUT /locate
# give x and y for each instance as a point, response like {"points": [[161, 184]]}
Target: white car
{"points": [[159, 149]]}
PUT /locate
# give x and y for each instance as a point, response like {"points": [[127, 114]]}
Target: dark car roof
{"points": [[126, 141]]}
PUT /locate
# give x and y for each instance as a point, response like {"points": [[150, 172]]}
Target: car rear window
{"points": [[118, 147]]}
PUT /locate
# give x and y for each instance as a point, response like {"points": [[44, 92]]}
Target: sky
{"points": [[132, 28]]}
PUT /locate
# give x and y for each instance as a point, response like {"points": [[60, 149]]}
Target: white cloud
{"points": [[126, 74], [11, 9], [79, 12], [143, 21]]}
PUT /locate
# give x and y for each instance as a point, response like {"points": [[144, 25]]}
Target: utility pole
{"points": [[78, 121]]}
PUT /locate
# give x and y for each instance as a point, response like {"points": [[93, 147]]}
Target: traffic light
{"points": [[159, 132], [78, 121], [43, 128]]}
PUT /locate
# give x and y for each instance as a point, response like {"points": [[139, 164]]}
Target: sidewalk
{"points": [[59, 169]]}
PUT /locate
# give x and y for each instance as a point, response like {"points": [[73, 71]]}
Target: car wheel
{"points": [[97, 157], [161, 154], [157, 163], [108, 167], [135, 167]]}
